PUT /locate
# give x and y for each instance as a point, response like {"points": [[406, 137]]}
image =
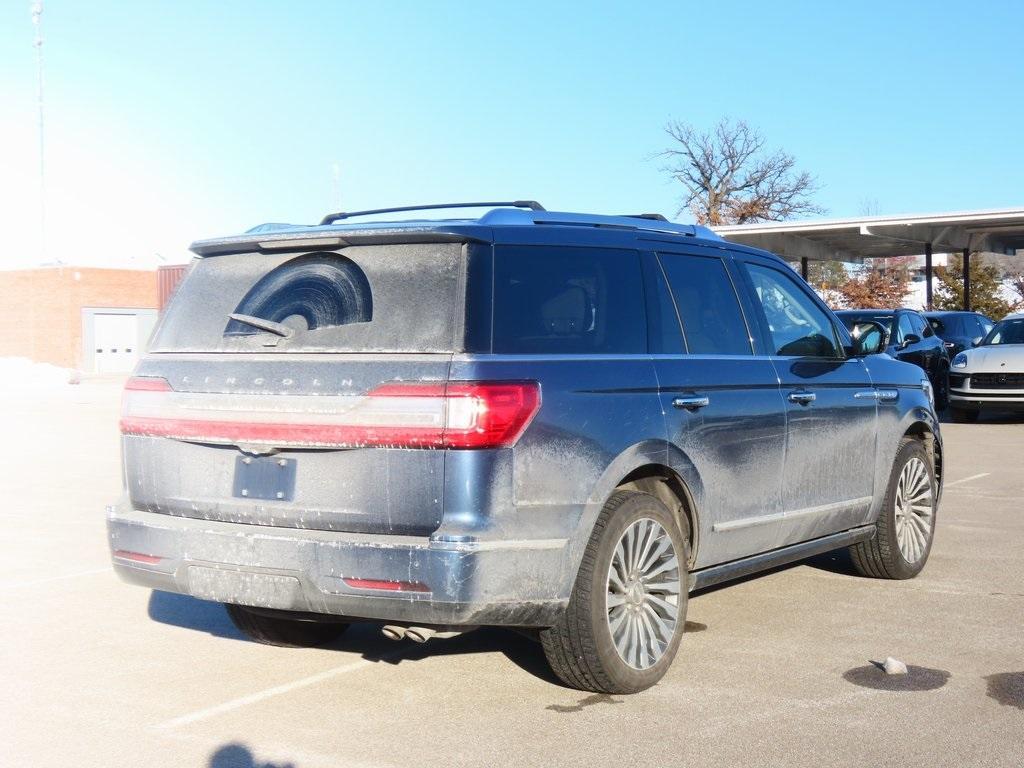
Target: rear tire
{"points": [[283, 631], [905, 527], [963, 416], [628, 602]]}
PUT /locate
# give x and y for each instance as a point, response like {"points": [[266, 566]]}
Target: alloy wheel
{"points": [[643, 593], [915, 511]]}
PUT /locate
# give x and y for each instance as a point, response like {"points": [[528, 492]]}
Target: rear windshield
{"points": [[376, 298]]}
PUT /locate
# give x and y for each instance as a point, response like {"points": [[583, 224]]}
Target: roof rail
{"points": [[507, 217], [533, 205], [648, 216]]}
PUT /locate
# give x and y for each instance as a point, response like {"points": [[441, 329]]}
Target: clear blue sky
{"points": [[185, 119]]}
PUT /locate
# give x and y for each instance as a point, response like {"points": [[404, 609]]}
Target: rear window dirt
{"points": [[379, 298]]}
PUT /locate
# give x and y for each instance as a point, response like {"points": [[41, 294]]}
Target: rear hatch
{"points": [[301, 390]]}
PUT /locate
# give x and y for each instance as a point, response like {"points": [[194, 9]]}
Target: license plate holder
{"points": [[264, 477], [263, 590]]}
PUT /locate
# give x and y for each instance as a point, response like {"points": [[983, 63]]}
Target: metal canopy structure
{"points": [[853, 240]]}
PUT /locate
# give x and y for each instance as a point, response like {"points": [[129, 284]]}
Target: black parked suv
{"points": [[550, 421], [909, 337], [959, 330]]}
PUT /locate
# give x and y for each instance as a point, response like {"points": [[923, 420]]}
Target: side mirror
{"points": [[868, 338], [910, 338], [977, 342]]}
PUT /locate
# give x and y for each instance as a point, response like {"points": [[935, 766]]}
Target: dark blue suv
{"points": [[551, 421], [959, 330], [909, 337]]}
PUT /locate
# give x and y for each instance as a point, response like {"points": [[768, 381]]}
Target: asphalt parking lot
{"points": [[775, 670]]}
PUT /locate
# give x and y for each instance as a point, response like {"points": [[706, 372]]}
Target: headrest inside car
{"points": [[565, 313]]}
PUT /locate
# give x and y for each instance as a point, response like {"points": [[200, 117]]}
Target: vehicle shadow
{"points": [[236, 755], [524, 652], [364, 638], [191, 613]]}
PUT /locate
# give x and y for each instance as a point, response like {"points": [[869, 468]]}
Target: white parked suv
{"points": [[991, 375]]}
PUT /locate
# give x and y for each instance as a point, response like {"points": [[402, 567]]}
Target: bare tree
{"points": [[731, 179]]}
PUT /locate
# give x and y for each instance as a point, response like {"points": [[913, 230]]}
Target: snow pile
{"points": [[21, 374]]}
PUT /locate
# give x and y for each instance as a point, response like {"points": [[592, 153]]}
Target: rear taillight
{"points": [[399, 415], [147, 384]]}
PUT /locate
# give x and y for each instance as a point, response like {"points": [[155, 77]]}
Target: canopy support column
{"points": [[967, 279], [928, 275], [803, 268]]}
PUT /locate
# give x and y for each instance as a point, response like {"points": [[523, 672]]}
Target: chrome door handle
{"points": [[885, 395], [691, 402], [804, 398]]}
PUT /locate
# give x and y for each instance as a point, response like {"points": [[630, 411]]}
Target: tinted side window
{"points": [[550, 300], [905, 328], [920, 326], [708, 307], [664, 335], [797, 325], [976, 327]]}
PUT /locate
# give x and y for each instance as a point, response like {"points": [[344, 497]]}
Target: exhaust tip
{"points": [[419, 634], [393, 632]]}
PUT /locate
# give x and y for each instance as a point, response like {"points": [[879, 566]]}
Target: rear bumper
{"points": [[512, 583]]}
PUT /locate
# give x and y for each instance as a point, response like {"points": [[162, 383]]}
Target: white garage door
{"points": [[116, 342]]}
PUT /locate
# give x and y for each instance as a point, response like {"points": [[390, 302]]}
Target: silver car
{"points": [[989, 376]]}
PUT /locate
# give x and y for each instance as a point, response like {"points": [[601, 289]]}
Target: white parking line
{"points": [[30, 582], [277, 690], [968, 479]]}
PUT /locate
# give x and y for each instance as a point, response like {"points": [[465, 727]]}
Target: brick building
{"points": [[91, 319]]}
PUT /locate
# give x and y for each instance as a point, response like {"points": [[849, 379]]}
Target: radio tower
{"points": [[36, 9]]}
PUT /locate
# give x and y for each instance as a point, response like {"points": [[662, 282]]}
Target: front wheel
{"points": [[906, 524], [278, 628], [626, 613]]}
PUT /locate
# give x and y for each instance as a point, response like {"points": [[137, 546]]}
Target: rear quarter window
{"points": [[562, 300]]}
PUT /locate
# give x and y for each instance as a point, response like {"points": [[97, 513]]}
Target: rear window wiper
{"points": [[270, 326]]}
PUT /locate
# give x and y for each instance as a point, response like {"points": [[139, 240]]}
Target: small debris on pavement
{"points": [[894, 666]]}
